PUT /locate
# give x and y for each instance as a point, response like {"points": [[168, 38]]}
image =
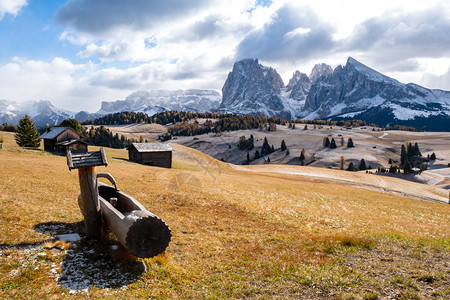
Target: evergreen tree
{"points": [[26, 134], [433, 156], [302, 156], [351, 167], [407, 167], [390, 161], [257, 155], [306, 127], [362, 164], [74, 124], [416, 150], [283, 145], [266, 148], [287, 152], [350, 143], [272, 149], [403, 156], [248, 157], [333, 144], [410, 150], [327, 142]]}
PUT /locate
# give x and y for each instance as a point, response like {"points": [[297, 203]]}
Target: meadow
{"points": [[236, 234]]}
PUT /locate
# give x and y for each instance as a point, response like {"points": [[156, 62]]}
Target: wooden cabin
{"points": [[153, 154], [60, 139]]}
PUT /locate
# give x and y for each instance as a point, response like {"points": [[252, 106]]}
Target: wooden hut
{"points": [[153, 154], [61, 139]]}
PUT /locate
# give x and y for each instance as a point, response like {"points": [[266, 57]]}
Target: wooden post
{"points": [[88, 202], [88, 199]]}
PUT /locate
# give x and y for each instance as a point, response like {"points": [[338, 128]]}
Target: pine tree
{"points": [[333, 144], [248, 157], [403, 156], [302, 156], [26, 134], [407, 167], [266, 148], [416, 150], [351, 167], [327, 142], [409, 150], [390, 161], [350, 143], [272, 149], [362, 164], [287, 152], [283, 145], [433, 156], [257, 155]]}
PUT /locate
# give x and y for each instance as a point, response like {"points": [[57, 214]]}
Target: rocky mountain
{"points": [[353, 91], [359, 92], [43, 113], [154, 101], [320, 70], [252, 88]]}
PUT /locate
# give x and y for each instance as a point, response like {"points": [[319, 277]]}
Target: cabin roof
{"points": [[150, 147], [54, 132]]}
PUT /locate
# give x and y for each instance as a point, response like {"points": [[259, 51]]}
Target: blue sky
{"points": [[77, 53]]}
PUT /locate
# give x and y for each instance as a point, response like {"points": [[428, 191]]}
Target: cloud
{"points": [[403, 35], [437, 81], [11, 7], [294, 33], [104, 16]]}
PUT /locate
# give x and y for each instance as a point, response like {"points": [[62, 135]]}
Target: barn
{"points": [[61, 139], [153, 154]]}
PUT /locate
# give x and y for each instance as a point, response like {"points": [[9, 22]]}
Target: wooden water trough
{"points": [[142, 233]]}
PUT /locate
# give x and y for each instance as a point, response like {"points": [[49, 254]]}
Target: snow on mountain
{"points": [[42, 112], [155, 101], [360, 92]]}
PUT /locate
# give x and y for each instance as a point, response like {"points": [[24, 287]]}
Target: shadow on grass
{"points": [[86, 263]]}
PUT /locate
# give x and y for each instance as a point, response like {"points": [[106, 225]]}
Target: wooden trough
{"points": [[142, 233]]}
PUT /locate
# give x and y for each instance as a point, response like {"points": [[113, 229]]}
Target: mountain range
{"points": [[353, 91]]}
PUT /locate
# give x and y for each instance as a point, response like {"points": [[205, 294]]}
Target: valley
{"points": [[375, 147], [259, 231]]}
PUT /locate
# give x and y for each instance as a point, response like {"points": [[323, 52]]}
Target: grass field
{"points": [[236, 234]]}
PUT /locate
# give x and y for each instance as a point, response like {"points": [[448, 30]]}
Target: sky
{"points": [[77, 53]]}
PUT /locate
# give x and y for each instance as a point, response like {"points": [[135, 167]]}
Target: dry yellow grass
{"points": [[236, 234]]}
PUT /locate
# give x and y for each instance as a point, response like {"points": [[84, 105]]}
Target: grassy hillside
{"points": [[236, 234]]}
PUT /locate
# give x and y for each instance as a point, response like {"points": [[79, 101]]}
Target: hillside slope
{"points": [[236, 234]]}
